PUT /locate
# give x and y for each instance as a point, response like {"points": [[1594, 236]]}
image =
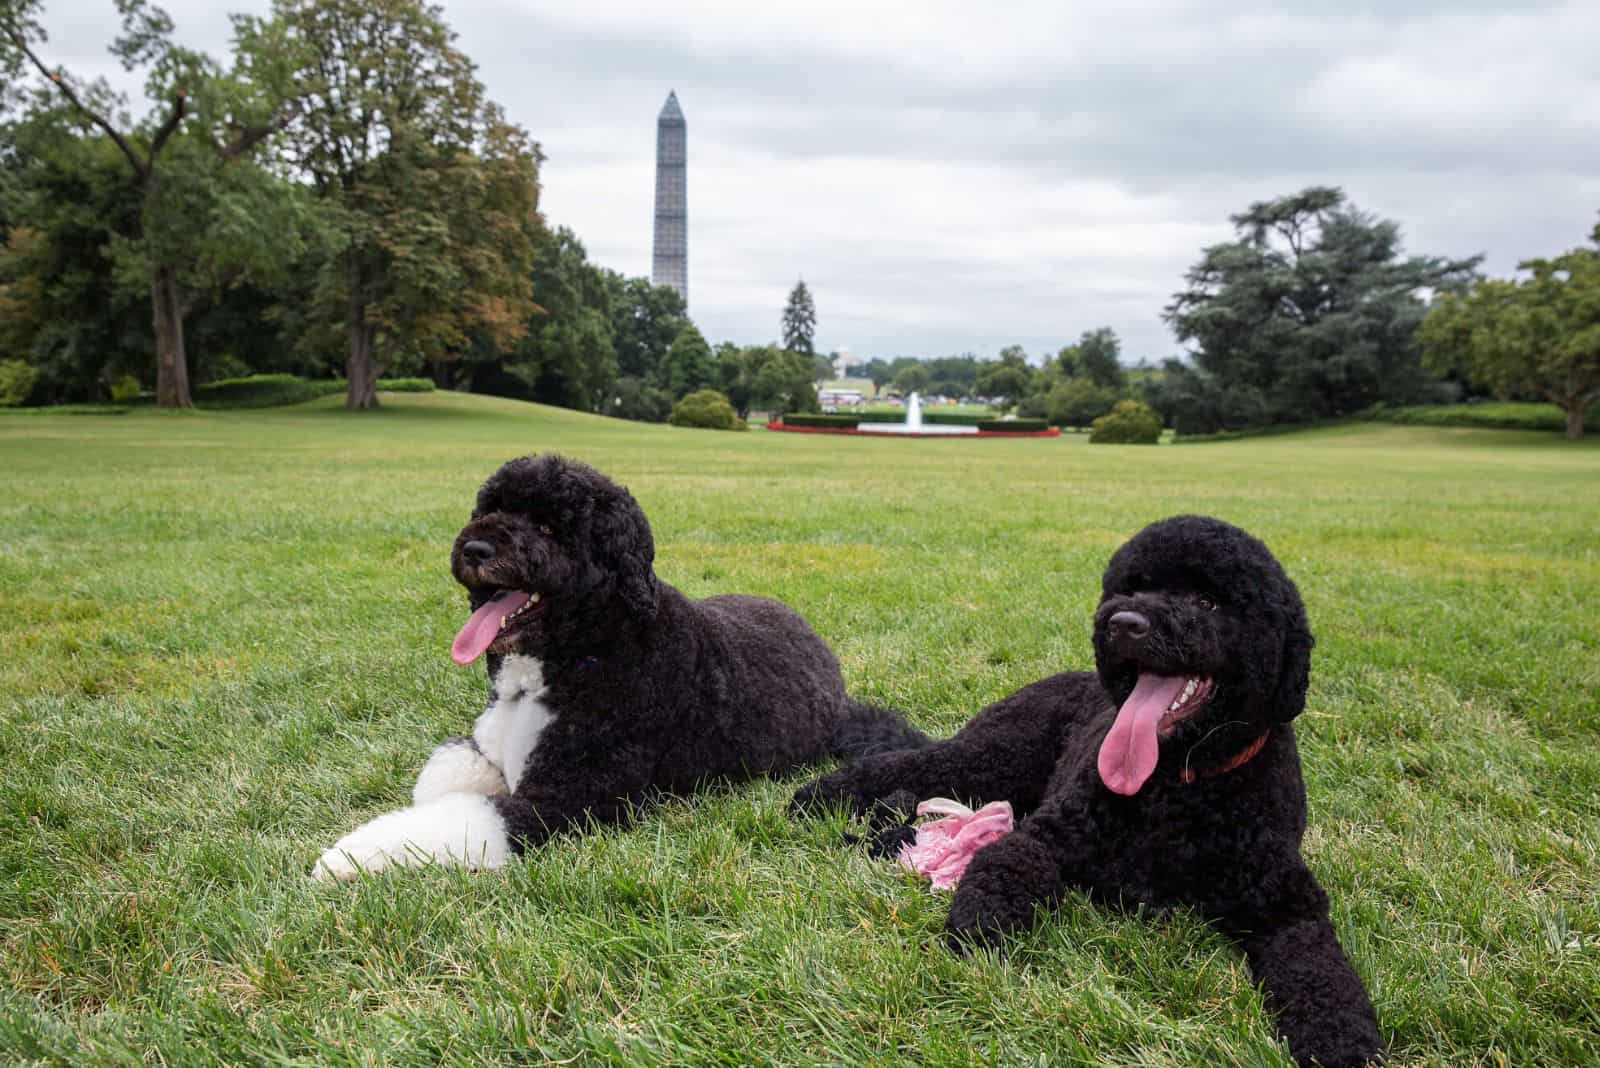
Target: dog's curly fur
{"points": [[610, 687], [1216, 826]]}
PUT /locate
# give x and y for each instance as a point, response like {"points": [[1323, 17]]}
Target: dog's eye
{"points": [[544, 528], [1206, 604]]}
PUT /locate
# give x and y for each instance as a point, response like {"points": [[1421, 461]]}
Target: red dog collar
{"points": [[1243, 756]]}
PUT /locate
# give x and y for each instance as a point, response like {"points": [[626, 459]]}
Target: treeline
{"points": [[1071, 387], [342, 201], [1314, 312]]}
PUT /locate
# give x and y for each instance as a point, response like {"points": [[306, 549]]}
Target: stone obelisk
{"points": [[671, 264]]}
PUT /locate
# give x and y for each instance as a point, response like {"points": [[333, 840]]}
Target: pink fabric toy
{"points": [[944, 848]]}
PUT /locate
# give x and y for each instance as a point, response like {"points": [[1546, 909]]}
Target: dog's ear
{"points": [[1294, 666], [622, 540]]}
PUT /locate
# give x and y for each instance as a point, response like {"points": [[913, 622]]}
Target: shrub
{"points": [[634, 398], [1129, 423], [125, 389], [17, 380], [405, 385], [708, 409], [263, 391], [1012, 426]]}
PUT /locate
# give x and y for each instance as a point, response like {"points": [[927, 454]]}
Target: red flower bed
{"points": [[1053, 432]]}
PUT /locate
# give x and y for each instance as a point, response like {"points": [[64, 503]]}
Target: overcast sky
{"points": [[948, 178]]}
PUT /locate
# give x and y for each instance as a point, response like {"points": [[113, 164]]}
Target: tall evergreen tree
{"points": [[799, 320], [1312, 307]]}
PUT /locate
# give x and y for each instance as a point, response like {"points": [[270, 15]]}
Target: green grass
{"points": [[226, 644]]}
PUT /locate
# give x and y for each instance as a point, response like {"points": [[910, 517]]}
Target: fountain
{"points": [[915, 425]]}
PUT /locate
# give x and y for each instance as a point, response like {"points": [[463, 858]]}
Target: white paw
{"points": [[457, 828], [456, 767]]}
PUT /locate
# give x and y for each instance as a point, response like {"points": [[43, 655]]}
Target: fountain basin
{"points": [[925, 430]]}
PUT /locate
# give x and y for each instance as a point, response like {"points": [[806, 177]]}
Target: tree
{"points": [[634, 398], [1539, 334], [799, 320], [432, 195], [913, 378], [202, 122], [783, 382], [566, 356], [645, 318], [1312, 305], [1096, 356], [879, 371], [1008, 378], [1078, 402], [767, 377], [61, 308], [688, 366], [1197, 403], [953, 376]]}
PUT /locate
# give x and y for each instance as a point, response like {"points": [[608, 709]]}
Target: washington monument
{"points": [[671, 266]]}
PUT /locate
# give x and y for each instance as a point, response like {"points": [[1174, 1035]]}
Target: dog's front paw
{"points": [[1000, 891], [888, 842], [463, 829], [457, 767]]}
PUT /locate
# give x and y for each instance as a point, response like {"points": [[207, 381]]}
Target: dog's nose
{"points": [[478, 552], [1128, 625]]}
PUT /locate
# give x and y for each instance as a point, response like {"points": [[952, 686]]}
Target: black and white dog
{"points": [[607, 685]]}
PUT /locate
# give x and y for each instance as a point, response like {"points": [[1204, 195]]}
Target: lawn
{"points": [[226, 644]]}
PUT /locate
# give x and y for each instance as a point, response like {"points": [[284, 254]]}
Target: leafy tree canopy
{"points": [[1096, 356], [689, 365], [431, 193], [1536, 334]]}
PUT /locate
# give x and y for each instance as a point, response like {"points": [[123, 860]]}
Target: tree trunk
{"points": [[172, 365], [359, 368], [1575, 421]]}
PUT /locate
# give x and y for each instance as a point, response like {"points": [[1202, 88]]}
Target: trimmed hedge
{"points": [[405, 385], [273, 391], [262, 391], [1505, 415], [827, 419], [1012, 426]]}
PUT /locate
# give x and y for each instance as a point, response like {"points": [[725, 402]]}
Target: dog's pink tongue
{"points": [[1128, 755], [480, 630]]}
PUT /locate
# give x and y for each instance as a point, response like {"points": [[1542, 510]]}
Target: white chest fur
{"points": [[508, 731]]}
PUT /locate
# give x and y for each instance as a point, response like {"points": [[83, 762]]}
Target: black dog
{"points": [[1168, 779], [607, 686]]}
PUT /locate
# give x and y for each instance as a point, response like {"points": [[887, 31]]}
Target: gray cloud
{"points": [[949, 178]]}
